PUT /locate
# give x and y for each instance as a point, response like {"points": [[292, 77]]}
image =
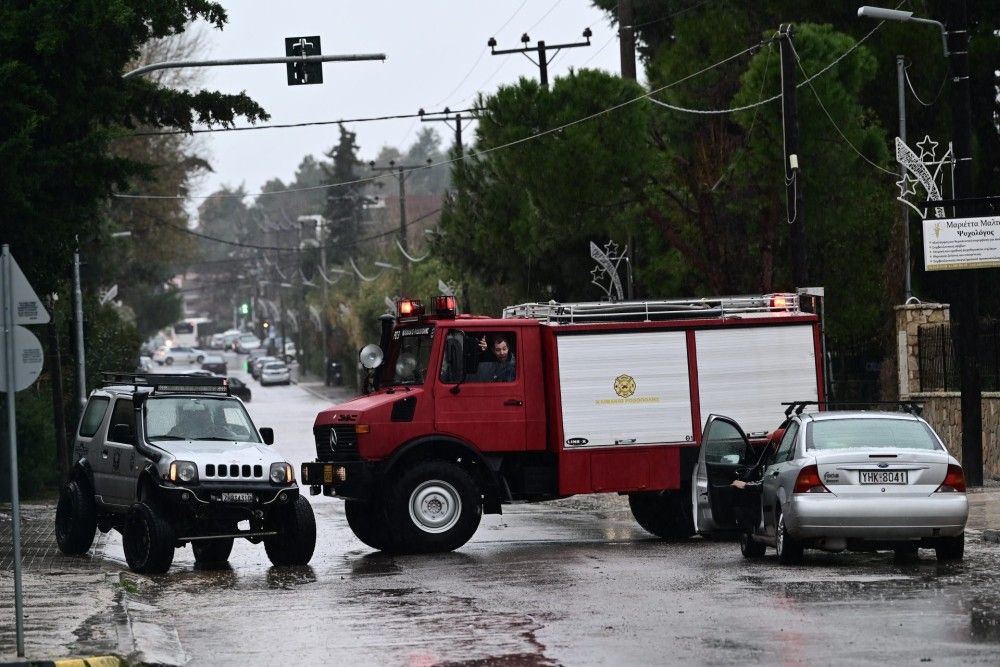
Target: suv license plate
{"points": [[883, 477], [237, 497]]}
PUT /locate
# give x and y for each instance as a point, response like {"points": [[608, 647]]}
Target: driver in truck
{"points": [[503, 368]]}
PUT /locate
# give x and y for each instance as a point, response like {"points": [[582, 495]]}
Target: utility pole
{"points": [[965, 284], [81, 372], [793, 174], [542, 50], [904, 209], [58, 400], [402, 173], [626, 42], [446, 119]]}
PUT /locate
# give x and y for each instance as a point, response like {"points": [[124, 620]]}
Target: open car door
{"points": [[724, 457]]}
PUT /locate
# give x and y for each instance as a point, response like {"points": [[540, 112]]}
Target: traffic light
{"points": [[244, 309]]}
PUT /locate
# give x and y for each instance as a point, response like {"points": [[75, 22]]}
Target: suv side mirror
{"points": [[267, 433], [122, 433]]}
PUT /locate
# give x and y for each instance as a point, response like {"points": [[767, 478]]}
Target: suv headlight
{"points": [[281, 473], [184, 472]]}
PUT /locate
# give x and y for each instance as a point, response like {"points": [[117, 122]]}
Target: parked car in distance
{"points": [[214, 363], [246, 342], [239, 389], [861, 481], [275, 372], [257, 364], [169, 355]]}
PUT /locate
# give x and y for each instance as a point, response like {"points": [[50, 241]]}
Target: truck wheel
{"points": [[369, 523], [148, 541], [297, 539], [789, 549], [212, 552], [434, 507], [950, 548], [76, 519], [666, 514]]}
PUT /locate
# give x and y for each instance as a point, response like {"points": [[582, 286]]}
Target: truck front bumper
{"points": [[344, 479]]}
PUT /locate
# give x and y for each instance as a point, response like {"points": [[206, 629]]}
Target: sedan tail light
{"points": [[954, 481], [808, 481]]}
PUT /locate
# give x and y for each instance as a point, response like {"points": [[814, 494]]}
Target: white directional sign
{"points": [[28, 359], [961, 243], [28, 308]]}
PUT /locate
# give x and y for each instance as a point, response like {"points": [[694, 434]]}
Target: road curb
{"points": [[149, 640], [991, 536], [92, 661]]}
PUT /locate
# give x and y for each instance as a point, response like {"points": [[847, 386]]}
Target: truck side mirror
{"points": [[267, 434]]}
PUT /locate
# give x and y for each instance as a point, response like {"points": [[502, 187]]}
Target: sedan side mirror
{"points": [[267, 433]]}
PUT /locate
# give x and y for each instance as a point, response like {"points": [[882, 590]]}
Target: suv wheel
{"points": [[148, 540], [950, 548], [369, 523], [297, 539], [789, 549], [212, 552], [665, 514], [434, 507], [76, 519]]}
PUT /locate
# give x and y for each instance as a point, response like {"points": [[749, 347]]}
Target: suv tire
{"points": [[434, 507], [369, 523], [297, 539], [76, 519], [666, 514], [148, 540], [212, 552], [789, 549], [950, 548]]}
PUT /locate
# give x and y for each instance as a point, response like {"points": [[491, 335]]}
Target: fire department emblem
{"points": [[624, 385]]}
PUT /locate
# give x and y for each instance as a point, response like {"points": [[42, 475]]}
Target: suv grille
{"points": [[347, 443], [233, 471]]}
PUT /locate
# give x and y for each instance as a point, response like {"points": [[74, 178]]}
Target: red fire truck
{"points": [[468, 413]]}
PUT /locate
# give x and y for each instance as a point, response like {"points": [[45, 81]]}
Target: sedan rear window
{"points": [[870, 434]]}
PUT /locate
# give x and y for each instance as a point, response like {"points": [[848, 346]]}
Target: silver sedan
{"points": [[834, 481]]}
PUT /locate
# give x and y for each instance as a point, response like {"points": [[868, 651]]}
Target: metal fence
{"points": [[854, 367], [939, 369]]}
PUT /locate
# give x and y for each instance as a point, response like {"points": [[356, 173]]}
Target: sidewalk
{"points": [[75, 605], [316, 386]]}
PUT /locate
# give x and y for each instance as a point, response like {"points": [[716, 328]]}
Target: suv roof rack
{"points": [[911, 407], [166, 383], [648, 311]]}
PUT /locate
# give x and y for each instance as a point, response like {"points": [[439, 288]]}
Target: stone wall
{"points": [[942, 410]]}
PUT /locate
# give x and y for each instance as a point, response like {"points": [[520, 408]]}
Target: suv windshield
{"points": [[190, 418], [408, 356], [870, 433]]}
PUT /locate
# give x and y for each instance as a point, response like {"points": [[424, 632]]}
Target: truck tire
{"points": [[148, 540], [212, 552], [369, 523], [76, 519], [950, 548], [434, 507], [297, 539], [666, 514]]}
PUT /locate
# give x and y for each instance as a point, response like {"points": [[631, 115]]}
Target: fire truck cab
{"points": [[467, 413]]}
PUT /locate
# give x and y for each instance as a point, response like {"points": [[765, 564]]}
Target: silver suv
{"points": [[172, 459]]}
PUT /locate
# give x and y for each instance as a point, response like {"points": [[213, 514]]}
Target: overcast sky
{"points": [[436, 57]]}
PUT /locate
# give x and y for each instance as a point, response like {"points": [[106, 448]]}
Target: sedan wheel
{"points": [[789, 549]]}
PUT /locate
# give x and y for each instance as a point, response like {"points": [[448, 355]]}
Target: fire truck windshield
{"points": [[409, 355]]}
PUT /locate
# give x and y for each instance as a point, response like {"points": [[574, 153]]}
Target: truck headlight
{"points": [[281, 473], [184, 472]]}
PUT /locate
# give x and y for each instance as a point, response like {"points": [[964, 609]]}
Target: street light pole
{"points": [[904, 209], [179, 64], [81, 371], [402, 173]]}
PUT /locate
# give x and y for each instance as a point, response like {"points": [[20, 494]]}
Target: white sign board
{"points": [[961, 243], [28, 307], [28, 358]]}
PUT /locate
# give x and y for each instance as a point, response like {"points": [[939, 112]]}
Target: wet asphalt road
{"points": [[572, 582]]}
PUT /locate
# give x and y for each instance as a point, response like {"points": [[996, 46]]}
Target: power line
{"points": [[909, 84], [156, 133]]}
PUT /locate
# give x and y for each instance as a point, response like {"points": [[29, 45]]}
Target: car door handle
{"points": [[104, 453], [514, 402]]}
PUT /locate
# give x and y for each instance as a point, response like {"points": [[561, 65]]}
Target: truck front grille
{"points": [[346, 448], [233, 471]]}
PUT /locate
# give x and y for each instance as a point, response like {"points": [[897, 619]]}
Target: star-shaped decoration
{"points": [[907, 186], [596, 274], [611, 249], [927, 147]]}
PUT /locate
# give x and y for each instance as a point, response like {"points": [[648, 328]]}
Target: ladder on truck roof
{"points": [[648, 311]]}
